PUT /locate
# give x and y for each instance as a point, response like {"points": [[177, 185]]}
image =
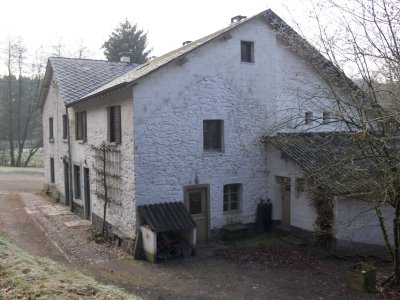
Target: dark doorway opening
{"points": [[86, 187]]}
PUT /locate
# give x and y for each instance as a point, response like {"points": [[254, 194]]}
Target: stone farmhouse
{"points": [[187, 127]]}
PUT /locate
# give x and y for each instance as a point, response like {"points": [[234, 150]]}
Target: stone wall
{"points": [[56, 148], [121, 211], [171, 104]]}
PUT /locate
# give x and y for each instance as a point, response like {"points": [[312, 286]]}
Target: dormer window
{"points": [[247, 51]]}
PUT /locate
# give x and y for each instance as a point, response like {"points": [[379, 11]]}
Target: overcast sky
{"points": [[168, 22]]}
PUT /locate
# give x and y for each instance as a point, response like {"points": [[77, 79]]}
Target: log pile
{"points": [[170, 245]]}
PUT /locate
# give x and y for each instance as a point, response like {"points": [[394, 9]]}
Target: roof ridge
{"points": [[90, 59], [169, 57]]}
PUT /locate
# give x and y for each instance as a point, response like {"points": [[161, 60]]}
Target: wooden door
{"points": [[86, 187], [196, 201], [285, 187]]}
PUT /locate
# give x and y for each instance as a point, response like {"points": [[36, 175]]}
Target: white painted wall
{"points": [[356, 221], [54, 107], [171, 104], [302, 215], [122, 216]]}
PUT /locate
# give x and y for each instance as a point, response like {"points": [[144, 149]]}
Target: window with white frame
{"points": [[232, 197]]}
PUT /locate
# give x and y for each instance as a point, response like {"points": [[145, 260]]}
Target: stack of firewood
{"points": [[170, 245]]}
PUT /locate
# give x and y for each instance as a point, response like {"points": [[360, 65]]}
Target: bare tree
{"points": [[106, 177], [18, 95], [361, 37]]}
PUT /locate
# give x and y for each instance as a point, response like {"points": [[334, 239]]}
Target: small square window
{"points": [[212, 135], [308, 117], [231, 197], [247, 51], [326, 117]]}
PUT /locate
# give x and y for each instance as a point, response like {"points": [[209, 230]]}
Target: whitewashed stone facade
{"points": [[122, 214], [162, 130], [56, 148]]}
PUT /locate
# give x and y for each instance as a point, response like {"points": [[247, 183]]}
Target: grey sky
{"points": [[168, 23]]}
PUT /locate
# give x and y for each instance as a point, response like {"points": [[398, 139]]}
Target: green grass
{"points": [[23, 276], [4, 169]]}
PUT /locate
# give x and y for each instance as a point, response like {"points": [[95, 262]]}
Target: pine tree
{"points": [[127, 39]]}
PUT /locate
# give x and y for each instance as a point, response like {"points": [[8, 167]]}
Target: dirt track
{"points": [[37, 225]]}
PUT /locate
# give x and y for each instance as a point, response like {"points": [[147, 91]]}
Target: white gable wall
{"points": [[356, 221], [57, 148], [171, 104]]}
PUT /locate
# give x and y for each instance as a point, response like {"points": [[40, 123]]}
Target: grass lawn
{"points": [[23, 276], [4, 169]]}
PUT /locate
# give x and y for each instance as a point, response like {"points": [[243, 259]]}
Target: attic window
{"points": [[326, 117], [308, 117], [114, 124], [247, 51], [80, 126]]}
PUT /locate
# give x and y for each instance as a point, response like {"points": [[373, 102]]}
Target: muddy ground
{"points": [[38, 225]]}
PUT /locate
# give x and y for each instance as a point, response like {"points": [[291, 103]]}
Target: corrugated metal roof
{"points": [[339, 160], [163, 217]]}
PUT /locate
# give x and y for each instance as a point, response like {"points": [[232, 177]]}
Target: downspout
{"points": [[71, 198]]}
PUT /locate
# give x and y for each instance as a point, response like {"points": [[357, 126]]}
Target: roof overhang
{"points": [[162, 217]]}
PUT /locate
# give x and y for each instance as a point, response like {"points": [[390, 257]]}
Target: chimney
{"points": [[186, 42], [237, 18], [125, 57]]}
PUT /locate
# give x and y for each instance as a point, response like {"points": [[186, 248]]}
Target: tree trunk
{"points": [[103, 231]]}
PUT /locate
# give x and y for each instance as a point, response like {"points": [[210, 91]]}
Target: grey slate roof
{"points": [[77, 77], [163, 217], [338, 158]]}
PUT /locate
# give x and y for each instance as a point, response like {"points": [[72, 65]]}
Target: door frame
{"points": [[185, 202], [284, 182]]}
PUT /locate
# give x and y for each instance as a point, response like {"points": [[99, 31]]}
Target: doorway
{"points": [[285, 193], [86, 187], [66, 182], [197, 203]]}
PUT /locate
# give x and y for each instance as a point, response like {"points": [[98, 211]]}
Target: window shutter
{"points": [[117, 124], [84, 126], [206, 137], [77, 126]]}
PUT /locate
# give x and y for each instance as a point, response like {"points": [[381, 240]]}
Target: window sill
{"points": [[51, 140], [213, 153], [78, 201], [248, 62], [113, 144], [65, 141], [232, 212], [81, 142]]}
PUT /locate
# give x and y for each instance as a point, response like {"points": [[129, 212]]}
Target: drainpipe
{"points": [[71, 198]]}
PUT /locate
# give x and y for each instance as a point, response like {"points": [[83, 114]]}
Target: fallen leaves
{"points": [[295, 258]]}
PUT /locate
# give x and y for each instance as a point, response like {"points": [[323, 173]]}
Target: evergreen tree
{"points": [[127, 39]]}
